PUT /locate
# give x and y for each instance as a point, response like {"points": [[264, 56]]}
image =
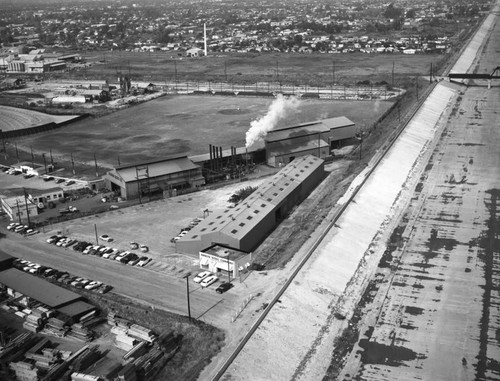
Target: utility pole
{"points": [[118, 159], [228, 270], [187, 293], [72, 163], [17, 153], [430, 75], [96, 170], [392, 84], [96, 237], [225, 70], [44, 162], [26, 204], [277, 72], [18, 210], [51, 159], [416, 86], [32, 157]]}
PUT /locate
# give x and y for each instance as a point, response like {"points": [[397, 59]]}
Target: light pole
{"points": [[187, 293]]}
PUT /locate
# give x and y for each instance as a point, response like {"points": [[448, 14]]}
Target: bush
{"points": [[241, 194]]}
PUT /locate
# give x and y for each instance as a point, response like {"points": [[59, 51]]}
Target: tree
{"points": [[241, 194], [392, 12], [411, 13]]}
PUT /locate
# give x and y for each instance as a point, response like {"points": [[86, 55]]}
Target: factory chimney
{"points": [[205, 38]]}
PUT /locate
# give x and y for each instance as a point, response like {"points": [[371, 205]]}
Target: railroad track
{"points": [[379, 157]]}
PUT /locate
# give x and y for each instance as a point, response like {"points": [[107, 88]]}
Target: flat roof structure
{"points": [[36, 288], [76, 309], [222, 251], [305, 129], [156, 168], [298, 146], [225, 153]]}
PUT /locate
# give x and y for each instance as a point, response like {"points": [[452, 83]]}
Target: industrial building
{"points": [[223, 259], [21, 283], [19, 209], [246, 225], [166, 175], [312, 138]]}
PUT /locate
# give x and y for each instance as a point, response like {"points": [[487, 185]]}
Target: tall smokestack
{"points": [[205, 38], [211, 157]]}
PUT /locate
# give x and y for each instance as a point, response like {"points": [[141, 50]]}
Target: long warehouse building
{"points": [[246, 225]]}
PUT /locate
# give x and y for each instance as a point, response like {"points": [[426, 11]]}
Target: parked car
{"points": [[143, 261], [70, 182], [144, 248], [13, 225], [134, 245], [106, 238], [104, 289], [48, 178], [31, 232], [29, 175], [209, 280], [198, 278], [59, 181], [223, 287], [122, 255]]}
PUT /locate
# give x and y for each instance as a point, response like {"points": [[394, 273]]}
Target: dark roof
{"points": [[223, 251], [76, 309], [239, 221], [161, 160], [156, 168], [285, 147], [5, 257], [306, 129], [36, 288]]}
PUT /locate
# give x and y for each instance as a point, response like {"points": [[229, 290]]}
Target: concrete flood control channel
{"points": [[339, 255]]}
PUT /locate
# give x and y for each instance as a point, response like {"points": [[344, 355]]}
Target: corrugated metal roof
{"points": [[311, 128], [237, 222], [155, 169], [287, 147], [296, 131], [36, 288]]}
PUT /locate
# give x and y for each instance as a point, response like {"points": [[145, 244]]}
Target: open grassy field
{"points": [[182, 124], [310, 69]]}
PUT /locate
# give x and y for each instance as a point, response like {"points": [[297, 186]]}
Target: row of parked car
{"points": [[206, 278], [185, 230], [61, 276], [21, 229], [87, 248]]}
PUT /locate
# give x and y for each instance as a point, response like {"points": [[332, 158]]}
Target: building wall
{"points": [[281, 160], [130, 190], [17, 211], [342, 133], [259, 233], [213, 260]]}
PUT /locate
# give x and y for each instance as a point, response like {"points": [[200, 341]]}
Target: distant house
{"points": [[12, 83], [195, 52]]}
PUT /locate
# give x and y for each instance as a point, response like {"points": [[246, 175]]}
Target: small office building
{"points": [[224, 260]]}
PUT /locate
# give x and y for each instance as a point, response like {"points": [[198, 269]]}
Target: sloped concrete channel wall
{"points": [[338, 256]]}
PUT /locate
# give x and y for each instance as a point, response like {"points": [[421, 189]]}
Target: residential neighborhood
{"points": [[187, 29]]}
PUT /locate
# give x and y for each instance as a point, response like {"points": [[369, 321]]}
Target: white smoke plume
{"points": [[277, 111]]}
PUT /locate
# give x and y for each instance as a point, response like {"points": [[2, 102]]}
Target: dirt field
{"points": [[15, 118], [311, 69], [179, 124]]}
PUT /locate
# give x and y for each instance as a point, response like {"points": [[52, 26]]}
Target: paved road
{"points": [[155, 288]]}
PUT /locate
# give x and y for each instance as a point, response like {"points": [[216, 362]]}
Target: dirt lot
{"points": [[14, 118], [175, 124]]}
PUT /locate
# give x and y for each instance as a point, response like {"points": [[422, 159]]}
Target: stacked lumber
{"points": [[81, 333], [33, 321], [128, 373], [92, 322], [117, 321], [105, 368], [85, 359], [57, 324], [56, 372], [24, 371], [75, 376], [137, 351], [88, 316], [151, 363], [141, 333], [125, 342], [15, 349], [44, 360]]}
